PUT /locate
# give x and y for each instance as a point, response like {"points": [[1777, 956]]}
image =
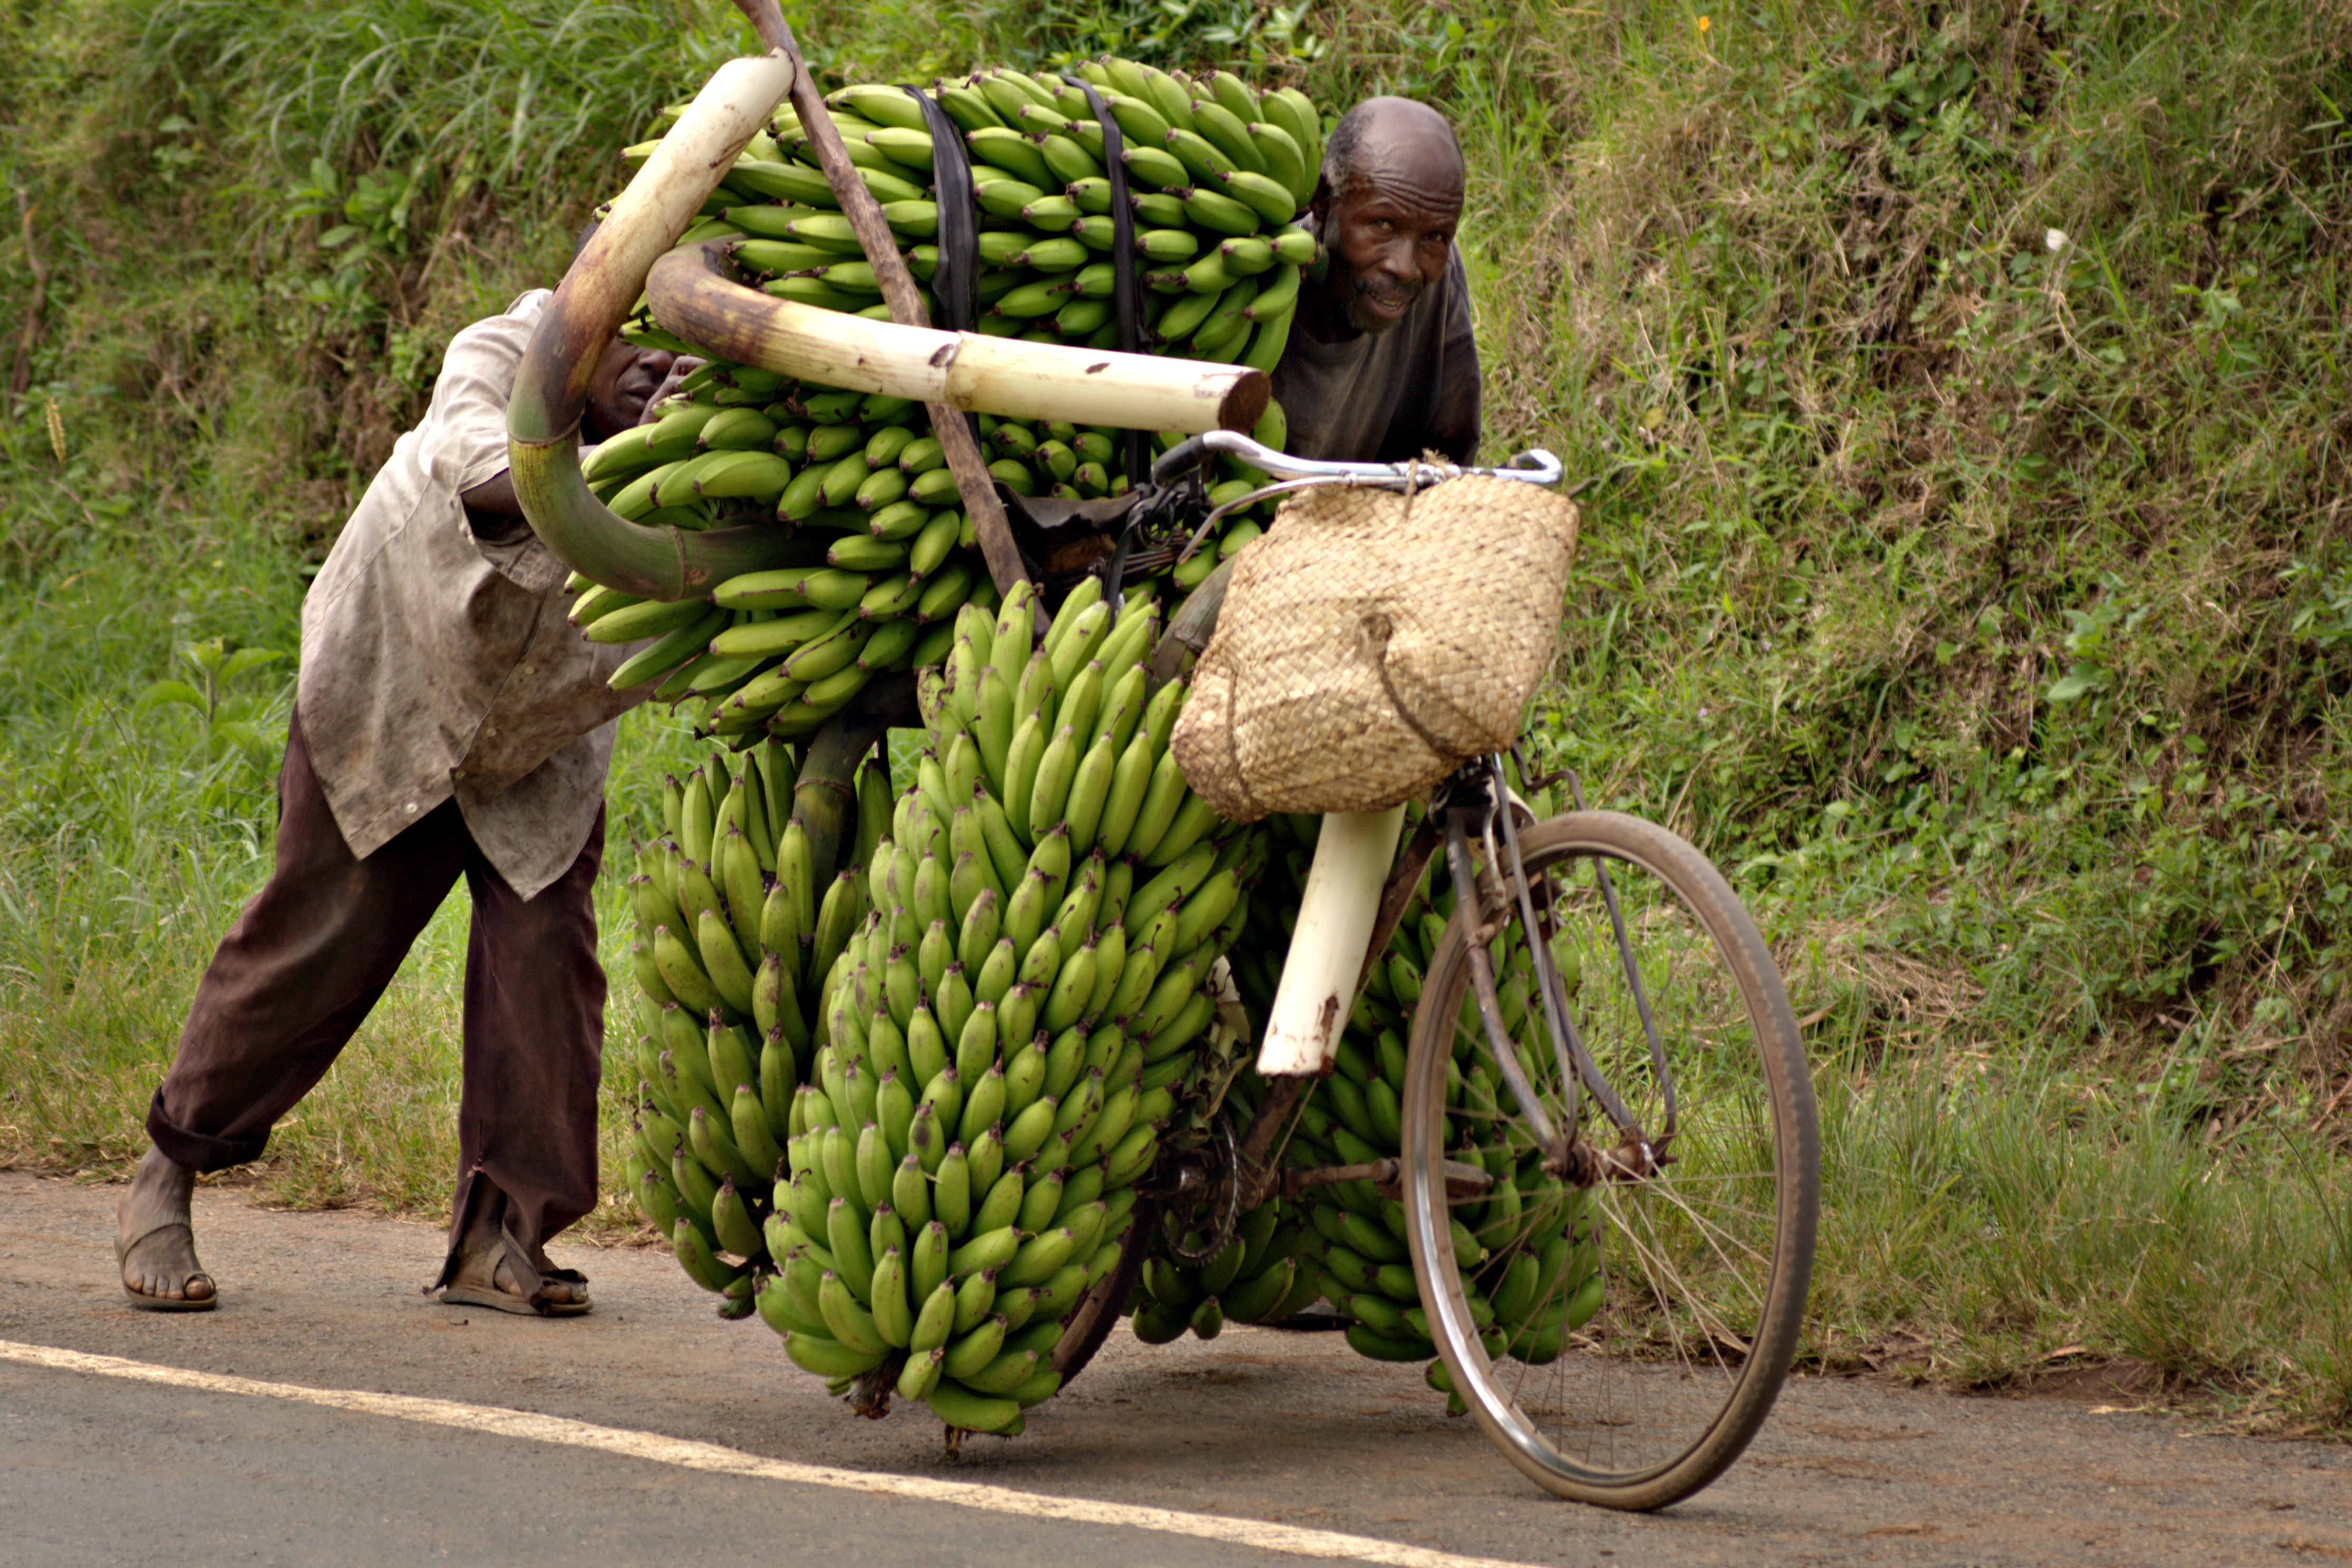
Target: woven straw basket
{"points": [[1371, 642]]}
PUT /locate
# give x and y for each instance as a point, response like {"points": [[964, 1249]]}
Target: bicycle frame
{"points": [[1471, 804]]}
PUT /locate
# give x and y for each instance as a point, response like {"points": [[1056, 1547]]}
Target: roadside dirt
{"points": [[1281, 1426]]}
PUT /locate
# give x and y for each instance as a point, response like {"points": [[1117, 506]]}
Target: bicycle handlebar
{"points": [[1535, 465]]}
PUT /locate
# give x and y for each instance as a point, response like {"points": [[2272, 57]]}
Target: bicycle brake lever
{"points": [[1535, 781]]}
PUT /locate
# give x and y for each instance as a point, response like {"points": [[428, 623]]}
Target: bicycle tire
{"points": [[1702, 1268], [1099, 1310]]}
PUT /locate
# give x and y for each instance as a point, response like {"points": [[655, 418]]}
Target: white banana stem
{"points": [[685, 166], [1009, 376], [1336, 913]]}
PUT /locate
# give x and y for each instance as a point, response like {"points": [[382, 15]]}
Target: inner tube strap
{"points": [[1127, 299], [959, 238]]}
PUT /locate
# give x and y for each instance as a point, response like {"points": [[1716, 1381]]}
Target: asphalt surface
{"points": [[1255, 1427]]}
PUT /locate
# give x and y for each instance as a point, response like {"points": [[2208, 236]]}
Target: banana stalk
{"points": [[595, 296], [824, 799], [690, 295]]}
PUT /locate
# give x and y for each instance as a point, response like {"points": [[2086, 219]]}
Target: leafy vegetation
{"points": [[1965, 568]]}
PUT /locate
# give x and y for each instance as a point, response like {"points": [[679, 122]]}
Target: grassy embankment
{"points": [[1969, 581]]}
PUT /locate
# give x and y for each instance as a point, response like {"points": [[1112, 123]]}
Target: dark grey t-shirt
{"points": [[1387, 396]]}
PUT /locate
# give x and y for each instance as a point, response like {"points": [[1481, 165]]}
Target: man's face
{"points": [[624, 383], [1389, 239]]}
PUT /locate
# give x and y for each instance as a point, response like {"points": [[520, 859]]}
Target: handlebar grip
{"points": [[1181, 459]]}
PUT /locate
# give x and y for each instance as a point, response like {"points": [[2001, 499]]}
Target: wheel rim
{"points": [[1701, 1270]]}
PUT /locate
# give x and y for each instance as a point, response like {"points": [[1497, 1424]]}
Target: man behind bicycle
{"points": [[1381, 365]]}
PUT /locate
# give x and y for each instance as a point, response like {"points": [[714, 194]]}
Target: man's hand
{"points": [[680, 368]]}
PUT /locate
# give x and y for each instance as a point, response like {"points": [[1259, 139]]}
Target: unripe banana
{"points": [[700, 1264], [1133, 1154], [975, 1349], [1049, 792], [1225, 214], [651, 617], [829, 1358], [990, 1249], [1073, 986]]}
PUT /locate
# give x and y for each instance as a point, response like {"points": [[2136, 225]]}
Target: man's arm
{"points": [[494, 512]]}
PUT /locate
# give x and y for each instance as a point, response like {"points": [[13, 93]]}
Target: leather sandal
{"points": [[535, 1303]]}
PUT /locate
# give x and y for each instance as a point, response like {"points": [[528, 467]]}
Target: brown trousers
{"points": [[309, 955]]}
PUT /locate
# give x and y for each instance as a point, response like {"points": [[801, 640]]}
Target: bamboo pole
{"points": [[690, 294]]}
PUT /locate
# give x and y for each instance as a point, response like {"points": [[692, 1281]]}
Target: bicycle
{"points": [[1660, 1090], [1661, 1114]]}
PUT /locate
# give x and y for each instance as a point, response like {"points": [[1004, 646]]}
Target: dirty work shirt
{"points": [[1386, 397], [437, 664]]}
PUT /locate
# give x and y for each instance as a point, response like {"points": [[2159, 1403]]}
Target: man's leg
{"points": [[526, 1123], [288, 987]]}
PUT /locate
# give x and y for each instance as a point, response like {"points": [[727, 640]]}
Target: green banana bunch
{"points": [[875, 585], [1222, 257], [1261, 1274], [1266, 1270], [996, 1042], [1531, 1278], [900, 1115], [727, 1020]]}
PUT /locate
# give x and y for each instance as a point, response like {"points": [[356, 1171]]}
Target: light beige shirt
{"points": [[435, 663]]}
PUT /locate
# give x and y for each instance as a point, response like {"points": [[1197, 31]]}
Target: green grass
{"points": [[1983, 606], [1986, 1229]]}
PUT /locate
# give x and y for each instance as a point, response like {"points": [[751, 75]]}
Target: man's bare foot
{"points": [[155, 1241]]}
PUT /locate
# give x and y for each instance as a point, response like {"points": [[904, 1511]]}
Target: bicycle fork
{"points": [[1476, 802]]}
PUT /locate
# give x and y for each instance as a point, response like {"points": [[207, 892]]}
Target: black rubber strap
{"points": [[1126, 296], [959, 238]]}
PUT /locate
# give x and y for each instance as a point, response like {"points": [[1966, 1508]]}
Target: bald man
{"points": [[1381, 365]]}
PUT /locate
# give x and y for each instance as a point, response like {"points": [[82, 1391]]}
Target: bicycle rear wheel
{"points": [[1668, 1303]]}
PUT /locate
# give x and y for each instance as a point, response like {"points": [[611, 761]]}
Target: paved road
{"points": [[699, 1437]]}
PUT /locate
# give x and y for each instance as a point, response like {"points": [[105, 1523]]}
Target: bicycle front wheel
{"points": [[1666, 1300]]}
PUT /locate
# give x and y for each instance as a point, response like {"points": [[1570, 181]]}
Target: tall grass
{"points": [[1968, 573], [1995, 1227]]}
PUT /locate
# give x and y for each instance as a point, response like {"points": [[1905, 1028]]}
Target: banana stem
{"points": [[825, 797], [1327, 948], [691, 294], [594, 298]]}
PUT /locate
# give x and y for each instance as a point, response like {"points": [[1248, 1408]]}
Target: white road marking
{"points": [[496, 1421]]}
